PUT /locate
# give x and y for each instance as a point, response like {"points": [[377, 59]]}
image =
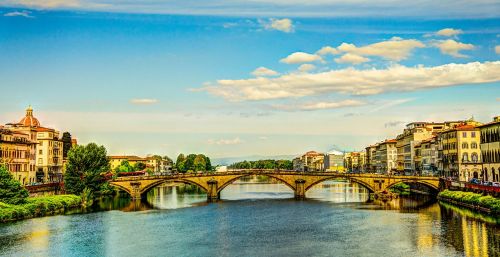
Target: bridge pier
{"points": [[300, 191], [212, 194], [135, 192]]}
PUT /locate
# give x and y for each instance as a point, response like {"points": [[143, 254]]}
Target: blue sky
{"points": [[157, 78]]}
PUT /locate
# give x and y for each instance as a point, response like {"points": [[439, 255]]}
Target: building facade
{"points": [[490, 149], [310, 161], [17, 154], [370, 162], [45, 153], [334, 161], [461, 154], [429, 156], [386, 157]]}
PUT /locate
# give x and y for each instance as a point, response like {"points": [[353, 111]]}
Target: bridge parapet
{"points": [[299, 182]]}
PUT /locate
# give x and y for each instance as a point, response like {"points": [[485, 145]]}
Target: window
{"points": [[474, 157], [464, 134], [40, 151], [473, 145], [40, 161], [465, 157], [473, 134], [465, 146]]}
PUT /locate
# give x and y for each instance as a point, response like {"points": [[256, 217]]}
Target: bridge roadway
{"points": [[299, 182]]}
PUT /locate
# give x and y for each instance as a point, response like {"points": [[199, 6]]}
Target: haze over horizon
{"points": [[235, 78]]}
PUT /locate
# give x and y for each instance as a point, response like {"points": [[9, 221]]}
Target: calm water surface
{"points": [[256, 219]]}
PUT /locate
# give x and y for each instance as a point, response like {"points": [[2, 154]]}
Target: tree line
{"points": [[263, 164], [193, 163]]}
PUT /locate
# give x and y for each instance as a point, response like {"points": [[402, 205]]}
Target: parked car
{"points": [[474, 181], [496, 184]]}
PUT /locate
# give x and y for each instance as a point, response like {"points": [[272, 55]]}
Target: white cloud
{"points": [[319, 105], [394, 49], [351, 58], [57, 4], [229, 25], [392, 103], [284, 25], [25, 14], [48, 4], [449, 32], [306, 67], [143, 101], [497, 49], [356, 82], [234, 141], [263, 71], [300, 57], [451, 9], [453, 48], [327, 50]]}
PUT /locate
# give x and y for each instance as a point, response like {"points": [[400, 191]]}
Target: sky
{"points": [[240, 78]]}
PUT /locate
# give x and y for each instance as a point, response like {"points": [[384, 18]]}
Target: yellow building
{"points": [[354, 161], [310, 161], [370, 158], [416, 132], [116, 160], [47, 153], [461, 155], [16, 154], [490, 150], [386, 157]]}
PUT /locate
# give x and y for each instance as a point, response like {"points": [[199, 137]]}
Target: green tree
{"points": [[180, 163], [86, 168], [66, 140], [200, 163], [189, 164], [11, 191], [138, 166], [208, 166], [167, 159], [124, 167]]}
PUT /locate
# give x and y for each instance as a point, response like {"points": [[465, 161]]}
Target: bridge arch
{"points": [[231, 181], [352, 179], [434, 187], [146, 189]]}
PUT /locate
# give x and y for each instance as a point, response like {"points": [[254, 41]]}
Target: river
{"points": [[258, 219]]}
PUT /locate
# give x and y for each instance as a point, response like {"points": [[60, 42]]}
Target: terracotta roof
{"points": [[29, 120], [489, 124], [462, 128], [43, 129], [127, 157]]}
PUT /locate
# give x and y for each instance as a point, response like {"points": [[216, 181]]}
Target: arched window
{"points": [[474, 157], [465, 157], [473, 145]]}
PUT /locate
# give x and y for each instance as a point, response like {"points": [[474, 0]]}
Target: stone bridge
{"points": [[299, 182]]}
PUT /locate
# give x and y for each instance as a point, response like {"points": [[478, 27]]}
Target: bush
{"points": [[489, 202], [38, 206], [11, 191]]}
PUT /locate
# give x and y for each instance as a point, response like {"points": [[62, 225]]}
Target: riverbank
{"points": [[487, 204], [39, 207]]}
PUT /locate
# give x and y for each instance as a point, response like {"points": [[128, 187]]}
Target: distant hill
{"points": [[230, 160]]}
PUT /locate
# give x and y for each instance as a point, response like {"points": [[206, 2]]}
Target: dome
{"points": [[29, 120]]}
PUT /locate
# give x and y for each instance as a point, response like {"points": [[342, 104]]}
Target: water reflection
{"points": [[256, 187], [337, 218], [338, 192], [176, 195]]}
